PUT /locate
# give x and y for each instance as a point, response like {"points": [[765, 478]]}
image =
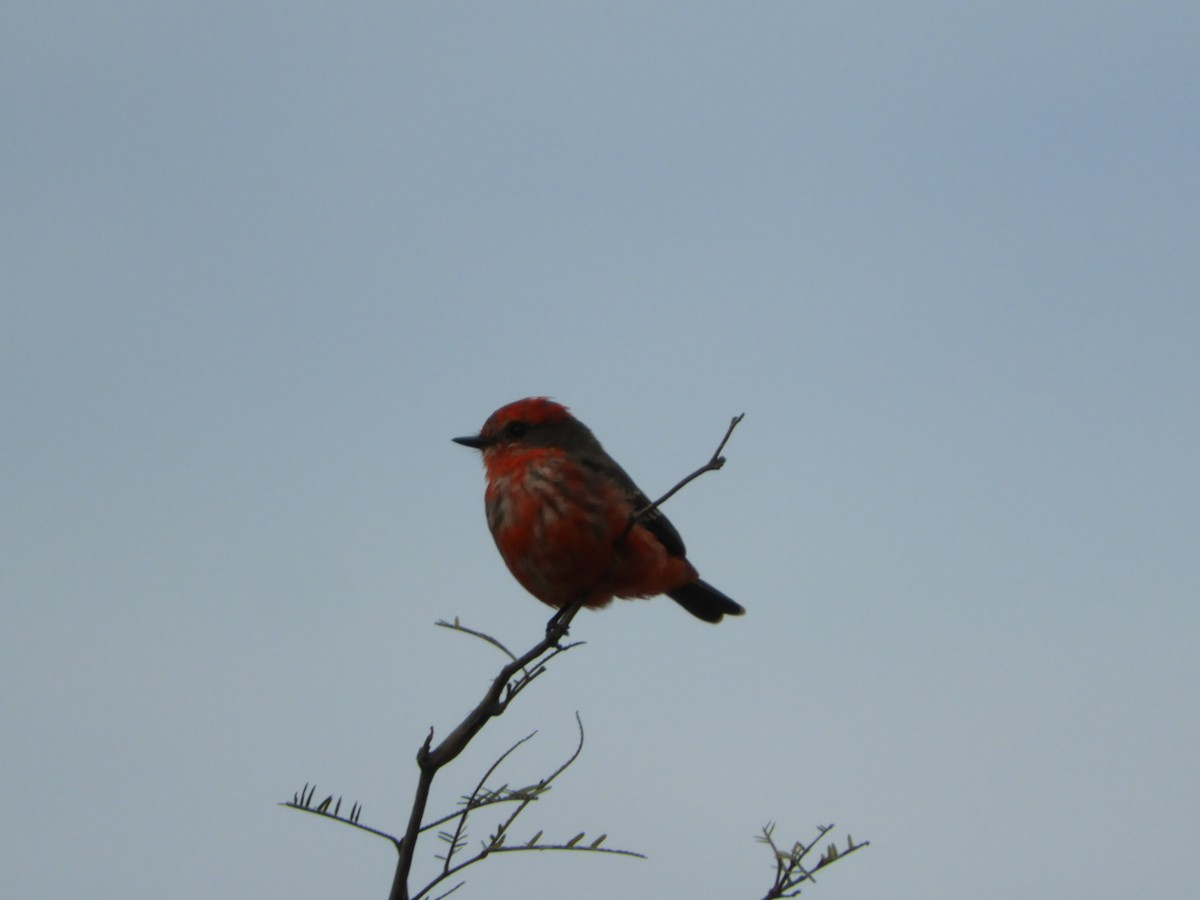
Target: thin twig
{"points": [[715, 463], [789, 865], [712, 465], [456, 626], [481, 803], [353, 822], [496, 841], [462, 815], [580, 849], [503, 828]]}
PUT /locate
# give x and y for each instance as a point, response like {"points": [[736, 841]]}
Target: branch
{"points": [[496, 842], [715, 463], [457, 626], [472, 803], [302, 800], [502, 691], [789, 864]]}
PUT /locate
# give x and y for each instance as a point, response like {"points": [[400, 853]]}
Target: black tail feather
{"points": [[704, 601]]}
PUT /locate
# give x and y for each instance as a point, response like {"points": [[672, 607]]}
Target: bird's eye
{"points": [[516, 429]]}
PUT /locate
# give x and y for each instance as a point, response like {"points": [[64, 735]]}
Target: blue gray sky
{"points": [[260, 262]]}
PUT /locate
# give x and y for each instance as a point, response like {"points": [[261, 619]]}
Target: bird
{"points": [[571, 525]]}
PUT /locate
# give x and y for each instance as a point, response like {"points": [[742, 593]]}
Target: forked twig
{"points": [[430, 759], [497, 840], [790, 870], [715, 463]]}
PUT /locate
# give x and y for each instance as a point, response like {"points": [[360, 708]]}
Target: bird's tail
{"points": [[704, 601]]}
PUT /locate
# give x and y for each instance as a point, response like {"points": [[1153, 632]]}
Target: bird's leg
{"points": [[560, 623]]}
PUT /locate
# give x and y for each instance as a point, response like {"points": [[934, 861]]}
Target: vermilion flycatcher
{"points": [[560, 509]]}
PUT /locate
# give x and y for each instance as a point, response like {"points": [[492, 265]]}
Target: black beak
{"points": [[476, 441]]}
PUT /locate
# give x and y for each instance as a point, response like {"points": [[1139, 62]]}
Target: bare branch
{"points": [[456, 626], [470, 804], [587, 848], [430, 759], [497, 840], [302, 801], [715, 463], [790, 871]]}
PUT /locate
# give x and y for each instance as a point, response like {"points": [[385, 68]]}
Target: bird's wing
{"points": [[659, 526], [654, 521]]}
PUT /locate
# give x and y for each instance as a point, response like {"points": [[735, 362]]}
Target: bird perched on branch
{"points": [[571, 524]]}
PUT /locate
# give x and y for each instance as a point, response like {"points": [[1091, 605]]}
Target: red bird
{"points": [[559, 509]]}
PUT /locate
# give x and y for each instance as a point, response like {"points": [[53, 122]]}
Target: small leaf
{"points": [[533, 840], [597, 842], [575, 840]]}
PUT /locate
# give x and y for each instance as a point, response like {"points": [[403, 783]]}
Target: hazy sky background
{"points": [[260, 262]]}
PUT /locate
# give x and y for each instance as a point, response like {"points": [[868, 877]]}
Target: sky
{"points": [[260, 262]]}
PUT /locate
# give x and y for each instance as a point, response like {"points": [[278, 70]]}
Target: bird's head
{"points": [[529, 423]]}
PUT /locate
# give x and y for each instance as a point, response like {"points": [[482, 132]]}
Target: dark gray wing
{"points": [[654, 521]]}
